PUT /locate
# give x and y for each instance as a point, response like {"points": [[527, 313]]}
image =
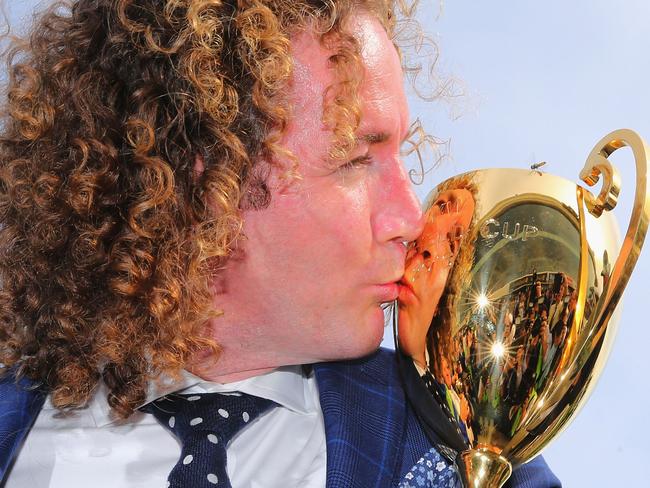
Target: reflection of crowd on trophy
{"points": [[512, 345]]}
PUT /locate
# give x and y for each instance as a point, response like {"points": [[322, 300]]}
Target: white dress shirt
{"points": [[284, 447]]}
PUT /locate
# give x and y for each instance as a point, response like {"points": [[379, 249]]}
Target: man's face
{"points": [[318, 262]]}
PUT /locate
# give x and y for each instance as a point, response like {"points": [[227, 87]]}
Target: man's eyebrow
{"points": [[374, 138]]}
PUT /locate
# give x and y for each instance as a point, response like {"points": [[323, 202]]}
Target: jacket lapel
{"points": [[20, 404], [365, 415]]}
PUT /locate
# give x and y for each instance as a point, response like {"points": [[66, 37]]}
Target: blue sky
{"points": [[545, 81]]}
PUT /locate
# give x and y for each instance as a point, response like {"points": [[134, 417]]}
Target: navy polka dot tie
{"points": [[204, 424]]}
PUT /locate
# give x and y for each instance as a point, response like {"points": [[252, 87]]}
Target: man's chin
{"points": [[355, 338], [367, 339]]}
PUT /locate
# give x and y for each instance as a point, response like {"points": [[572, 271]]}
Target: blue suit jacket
{"points": [[373, 436]]}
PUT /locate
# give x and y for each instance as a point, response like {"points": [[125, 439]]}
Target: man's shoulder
{"points": [[18, 393], [365, 416], [20, 402], [356, 393], [368, 384]]}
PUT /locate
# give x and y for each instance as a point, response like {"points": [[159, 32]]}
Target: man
{"points": [[197, 198]]}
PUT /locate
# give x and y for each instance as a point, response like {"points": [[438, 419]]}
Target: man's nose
{"points": [[400, 215]]}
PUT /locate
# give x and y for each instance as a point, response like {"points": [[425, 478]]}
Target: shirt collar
{"points": [[289, 386]]}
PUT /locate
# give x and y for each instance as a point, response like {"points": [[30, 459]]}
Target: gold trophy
{"points": [[505, 313]]}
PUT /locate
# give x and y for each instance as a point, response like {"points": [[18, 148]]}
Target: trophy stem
{"points": [[482, 468]]}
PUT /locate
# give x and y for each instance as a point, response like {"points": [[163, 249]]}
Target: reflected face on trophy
{"points": [[428, 263]]}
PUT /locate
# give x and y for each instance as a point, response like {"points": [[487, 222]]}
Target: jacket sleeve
{"points": [[20, 403], [534, 474]]}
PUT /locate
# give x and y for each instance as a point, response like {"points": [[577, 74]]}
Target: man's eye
{"points": [[359, 162]]}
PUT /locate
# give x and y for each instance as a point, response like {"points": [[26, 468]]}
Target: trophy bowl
{"points": [[506, 312]]}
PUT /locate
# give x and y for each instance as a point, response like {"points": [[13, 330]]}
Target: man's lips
{"points": [[388, 291]]}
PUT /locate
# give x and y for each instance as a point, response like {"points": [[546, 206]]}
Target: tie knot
{"points": [[221, 415]]}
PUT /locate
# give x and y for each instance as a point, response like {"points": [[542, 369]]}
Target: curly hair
{"points": [[109, 237]]}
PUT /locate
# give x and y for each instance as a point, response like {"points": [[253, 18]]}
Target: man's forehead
{"points": [[311, 56], [372, 38], [311, 66], [384, 111]]}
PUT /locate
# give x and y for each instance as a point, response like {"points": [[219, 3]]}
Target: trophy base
{"points": [[482, 468]]}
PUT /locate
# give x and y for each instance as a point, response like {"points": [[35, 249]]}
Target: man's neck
{"points": [[218, 375], [237, 363]]}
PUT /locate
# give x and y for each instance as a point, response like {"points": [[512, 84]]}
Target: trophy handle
{"points": [[583, 347], [597, 164]]}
